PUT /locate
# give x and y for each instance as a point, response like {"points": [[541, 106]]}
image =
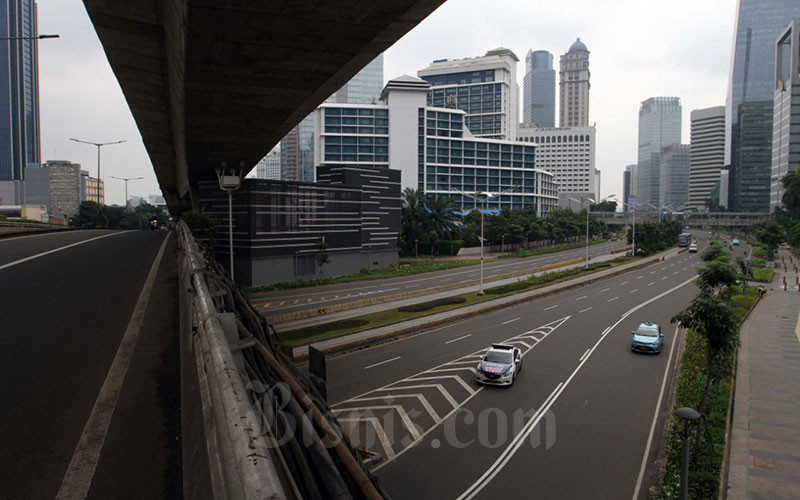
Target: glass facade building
{"points": [[539, 90], [659, 126], [707, 150], [786, 112], [19, 90], [749, 107]]}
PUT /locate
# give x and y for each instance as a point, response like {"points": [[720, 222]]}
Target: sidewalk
{"points": [[765, 436], [426, 322]]}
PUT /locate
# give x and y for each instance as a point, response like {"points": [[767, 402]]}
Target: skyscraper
{"points": [[627, 184], [786, 114], [19, 89], [539, 90], [574, 86], [707, 155], [484, 87], [659, 126], [673, 176], [749, 107]]}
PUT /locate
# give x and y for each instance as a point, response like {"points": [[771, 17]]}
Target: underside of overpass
{"points": [[215, 83]]}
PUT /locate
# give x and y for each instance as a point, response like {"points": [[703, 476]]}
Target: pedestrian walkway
{"points": [[765, 437]]}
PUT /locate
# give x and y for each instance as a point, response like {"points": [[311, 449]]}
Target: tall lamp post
{"points": [[126, 179], [99, 145], [688, 415], [590, 200], [486, 196], [230, 183]]}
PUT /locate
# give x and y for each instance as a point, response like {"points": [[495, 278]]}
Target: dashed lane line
{"points": [[382, 362]]}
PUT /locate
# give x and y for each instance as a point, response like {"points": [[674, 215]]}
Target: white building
{"points": [[707, 155], [569, 153], [659, 126], [485, 88], [574, 86], [786, 114], [432, 148], [270, 165]]}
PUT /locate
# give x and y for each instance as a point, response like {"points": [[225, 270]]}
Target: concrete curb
{"points": [[458, 316], [345, 306]]}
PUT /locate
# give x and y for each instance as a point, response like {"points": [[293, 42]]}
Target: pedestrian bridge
{"points": [[716, 220]]}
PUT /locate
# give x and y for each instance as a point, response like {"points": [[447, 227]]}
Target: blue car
{"points": [[647, 338]]}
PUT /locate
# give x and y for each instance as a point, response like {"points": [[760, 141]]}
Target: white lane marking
{"points": [[634, 290], [282, 303], [584, 355], [412, 429], [551, 307], [421, 398], [511, 320], [80, 472], [612, 300], [26, 259], [382, 362], [640, 277], [459, 338], [439, 387], [458, 379], [676, 272], [652, 272], [604, 290], [378, 426], [582, 297], [664, 278], [584, 310], [655, 417], [623, 283], [36, 235], [651, 283], [520, 438], [685, 268]]}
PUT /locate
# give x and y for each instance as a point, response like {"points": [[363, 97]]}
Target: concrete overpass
{"points": [[716, 220], [220, 82]]}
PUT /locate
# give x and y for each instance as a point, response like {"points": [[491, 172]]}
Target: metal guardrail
{"points": [[268, 433]]}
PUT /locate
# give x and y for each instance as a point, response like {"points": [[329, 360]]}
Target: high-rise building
{"points": [[297, 147], [659, 126], [484, 87], [749, 107], [786, 114], [19, 89], [539, 90], [569, 154], [270, 165], [574, 86], [597, 185], [432, 148], [627, 184], [707, 150], [673, 176]]}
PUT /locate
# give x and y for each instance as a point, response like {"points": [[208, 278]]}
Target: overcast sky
{"points": [[638, 49]]}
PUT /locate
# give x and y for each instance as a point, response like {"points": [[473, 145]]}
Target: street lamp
{"points": [[230, 183], [632, 208], [486, 196], [99, 145], [126, 179], [586, 262], [688, 415]]}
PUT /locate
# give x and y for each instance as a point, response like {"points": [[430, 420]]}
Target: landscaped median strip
{"points": [[344, 306], [493, 304]]}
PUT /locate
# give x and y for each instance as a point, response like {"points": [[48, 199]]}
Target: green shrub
{"points": [[762, 275], [425, 306], [312, 331], [758, 263]]}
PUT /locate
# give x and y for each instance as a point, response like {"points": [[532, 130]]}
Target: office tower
{"points": [[707, 155], [627, 183], [597, 185], [270, 165], [484, 87], [569, 154], [673, 176], [432, 148], [19, 89], [539, 90], [659, 126], [786, 114], [297, 147], [574, 87], [749, 107]]}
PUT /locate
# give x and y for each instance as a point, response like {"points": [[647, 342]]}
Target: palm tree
{"points": [[412, 217], [440, 218]]}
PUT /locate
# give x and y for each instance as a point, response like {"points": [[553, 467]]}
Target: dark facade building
{"points": [[19, 90], [283, 229], [749, 108], [539, 89]]}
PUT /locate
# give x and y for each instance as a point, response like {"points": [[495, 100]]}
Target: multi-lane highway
{"points": [[66, 303], [580, 422], [283, 301]]}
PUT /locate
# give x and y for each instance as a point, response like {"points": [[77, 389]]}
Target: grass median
{"points": [[294, 338], [542, 251]]}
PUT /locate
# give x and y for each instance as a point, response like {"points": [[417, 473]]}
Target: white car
{"points": [[693, 248], [500, 365]]}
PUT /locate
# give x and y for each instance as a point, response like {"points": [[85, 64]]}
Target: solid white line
{"points": [[612, 300], [26, 259], [584, 355], [551, 307], [459, 338], [80, 472], [582, 297], [511, 320], [382, 362], [584, 310], [36, 235], [655, 417]]}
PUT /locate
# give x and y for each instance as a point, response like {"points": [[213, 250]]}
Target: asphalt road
{"points": [[63, 316], [576, 424], [283, 301]]}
